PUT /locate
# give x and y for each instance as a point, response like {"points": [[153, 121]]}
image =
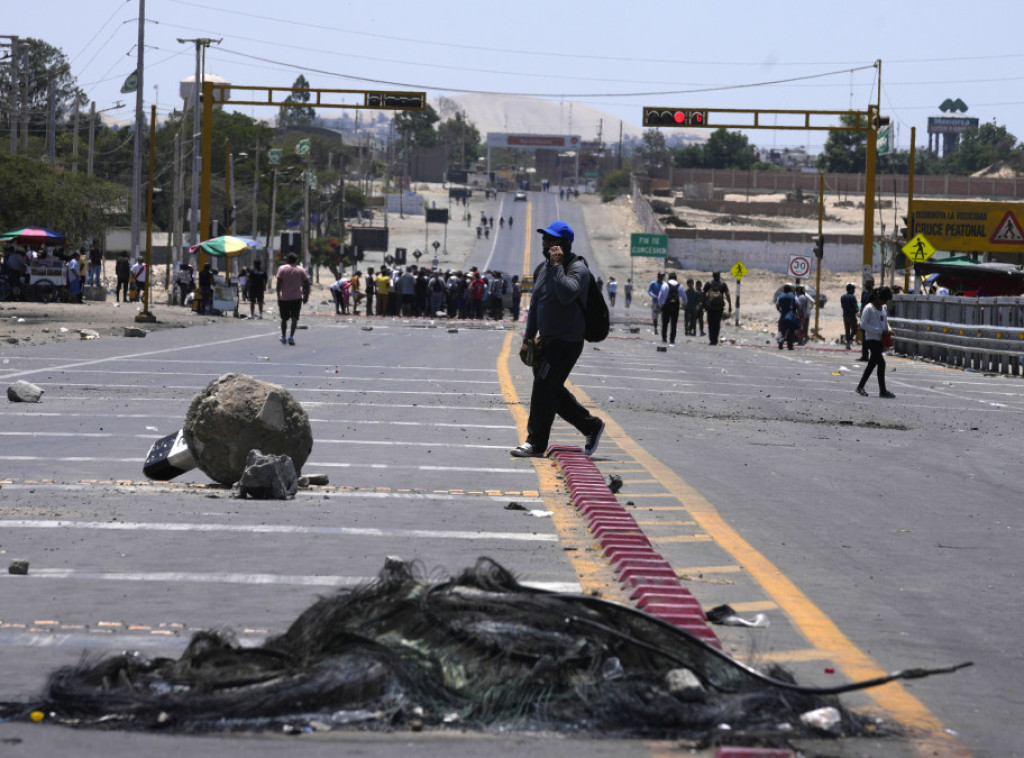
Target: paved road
{"points": [[875, 535]]}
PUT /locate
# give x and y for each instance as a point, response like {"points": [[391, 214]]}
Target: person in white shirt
{"points": [[874, 320]]}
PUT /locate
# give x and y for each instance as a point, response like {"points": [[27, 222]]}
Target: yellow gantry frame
{"points": [[866, 121], [213, 94]]}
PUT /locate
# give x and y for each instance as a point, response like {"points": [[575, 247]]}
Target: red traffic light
{"points": [[673, 117]]}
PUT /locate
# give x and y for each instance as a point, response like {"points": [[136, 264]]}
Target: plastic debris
{"points": [[824, 719], [724, 615]]}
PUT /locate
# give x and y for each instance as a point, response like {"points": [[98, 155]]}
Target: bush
{"points": [[613, 184]]}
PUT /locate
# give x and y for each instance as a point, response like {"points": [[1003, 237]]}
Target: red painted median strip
{"points": [[652, 582]]}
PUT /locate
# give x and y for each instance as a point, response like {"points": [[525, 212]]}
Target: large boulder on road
{"points": [[236, 413], [24, 392]]}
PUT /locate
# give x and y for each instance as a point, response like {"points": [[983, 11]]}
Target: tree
{"points": [[75, 205], [725, 149], [462, 139], [39, 63], [417, 127], [981, 147], [653, 152], [613, 184], [845, 152], [295, 114]]}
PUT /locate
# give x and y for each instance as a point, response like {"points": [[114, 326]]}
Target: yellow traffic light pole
{"points": [[799, 120], [277, 97]]}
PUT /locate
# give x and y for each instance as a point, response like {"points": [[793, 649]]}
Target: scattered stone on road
{"points": [[236, 413], [24, 392]]}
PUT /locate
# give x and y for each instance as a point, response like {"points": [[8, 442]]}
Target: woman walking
{"points": [[875, 323]]}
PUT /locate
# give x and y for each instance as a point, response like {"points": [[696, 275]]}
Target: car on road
{"points": [[520, 196], [819, 299]]}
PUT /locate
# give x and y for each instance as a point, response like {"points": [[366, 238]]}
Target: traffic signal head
{"points": [[674, 117], [397, 100]]}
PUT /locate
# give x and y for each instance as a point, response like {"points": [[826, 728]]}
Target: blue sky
{"points": [[787, 55]]}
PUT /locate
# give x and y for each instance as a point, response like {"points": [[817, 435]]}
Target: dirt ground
{"points": [[609, 226]]}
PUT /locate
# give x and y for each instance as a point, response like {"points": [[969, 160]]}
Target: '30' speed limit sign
{"points": [[799, 266]]}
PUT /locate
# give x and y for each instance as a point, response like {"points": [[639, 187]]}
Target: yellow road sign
{"points": [[738, 270], [919, 249], [979, 226]]}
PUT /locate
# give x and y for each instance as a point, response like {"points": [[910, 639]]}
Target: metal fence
{"points": [[980, 333]]}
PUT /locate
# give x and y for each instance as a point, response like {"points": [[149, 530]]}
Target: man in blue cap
{"points": [[556, 322]]}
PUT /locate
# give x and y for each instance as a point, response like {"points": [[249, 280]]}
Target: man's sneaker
{"points": [[291, 340], [526, 450], [887, 394], [593, 440], [284, 341], [862, 391]]}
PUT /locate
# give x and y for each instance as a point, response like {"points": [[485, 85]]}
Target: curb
{"points": [[649, 579]]}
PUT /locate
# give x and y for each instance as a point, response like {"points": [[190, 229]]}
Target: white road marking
{"points": [[168, 526]]}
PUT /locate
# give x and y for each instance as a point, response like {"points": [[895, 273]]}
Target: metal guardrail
{"points": [[984, 334]]}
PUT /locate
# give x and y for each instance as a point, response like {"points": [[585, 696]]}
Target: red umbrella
{"points": [[30, 235]]}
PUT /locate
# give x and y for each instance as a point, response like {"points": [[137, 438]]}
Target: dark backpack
{"points": [[673, 294], [596, 319], [714, 298]]}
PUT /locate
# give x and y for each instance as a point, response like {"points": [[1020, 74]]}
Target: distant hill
{"points": [[534, 115]]}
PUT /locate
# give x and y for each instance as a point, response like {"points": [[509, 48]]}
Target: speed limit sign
{"points": [[799, 266]]}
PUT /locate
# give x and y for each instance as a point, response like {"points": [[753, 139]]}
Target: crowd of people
{"points": [[414, 291]]}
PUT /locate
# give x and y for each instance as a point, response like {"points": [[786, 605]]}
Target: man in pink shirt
{"points": [[292, 292]]}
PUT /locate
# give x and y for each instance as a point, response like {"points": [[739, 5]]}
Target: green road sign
{"points": [[648, 246]]}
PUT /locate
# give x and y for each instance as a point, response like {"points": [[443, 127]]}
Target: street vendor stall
{"points": [[225, 294], [46, 274]]}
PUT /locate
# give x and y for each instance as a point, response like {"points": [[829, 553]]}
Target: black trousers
{"points": [[550, 397], [669, 321], [714, 325], [875, 360]]}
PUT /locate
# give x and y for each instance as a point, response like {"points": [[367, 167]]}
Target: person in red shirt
{"points": [[292, 292]]}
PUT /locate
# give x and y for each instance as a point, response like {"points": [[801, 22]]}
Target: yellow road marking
{"points": [[710, 570], [927, 732], [682, 538]]}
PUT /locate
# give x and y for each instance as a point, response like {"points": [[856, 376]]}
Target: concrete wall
{"points": [[719, 251]]}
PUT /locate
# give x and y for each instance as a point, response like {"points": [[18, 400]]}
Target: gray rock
{"points": [[88, 334], [268, 477], [18, 567], [313, 479], [235, 414], [132, 331], [24, 392]]}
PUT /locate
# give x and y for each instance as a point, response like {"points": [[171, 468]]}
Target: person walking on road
{"points": [[671, 299], [627, 290], [654, 292], [716, 295], [292, 292], [874, 320], [690, 309], [613, 290], [257, 286], [865, 298], [555, 322], [789, 316], [848, 303], [122, 269]]}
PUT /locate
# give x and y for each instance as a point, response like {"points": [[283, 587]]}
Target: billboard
{"points": [[370, 238], [549, 141], [437, 215]]}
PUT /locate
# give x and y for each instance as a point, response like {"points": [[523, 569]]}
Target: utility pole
{"points": [[74, 142], [12, 95], [176, 241], [273, 213], [201, 44], [51, 121], [140, 120], [92, 137], [256, 191]]}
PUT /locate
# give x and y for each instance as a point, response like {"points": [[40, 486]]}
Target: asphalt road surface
{"points": [[874, 534]]}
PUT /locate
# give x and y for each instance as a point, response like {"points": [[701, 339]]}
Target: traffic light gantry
{"points": [[675, 117]]}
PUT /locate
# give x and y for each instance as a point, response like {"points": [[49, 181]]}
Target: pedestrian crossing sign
{"points": [[738, 270], [919, 249]]}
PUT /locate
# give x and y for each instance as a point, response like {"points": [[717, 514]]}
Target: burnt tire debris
{"points": [[478, 650]]}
